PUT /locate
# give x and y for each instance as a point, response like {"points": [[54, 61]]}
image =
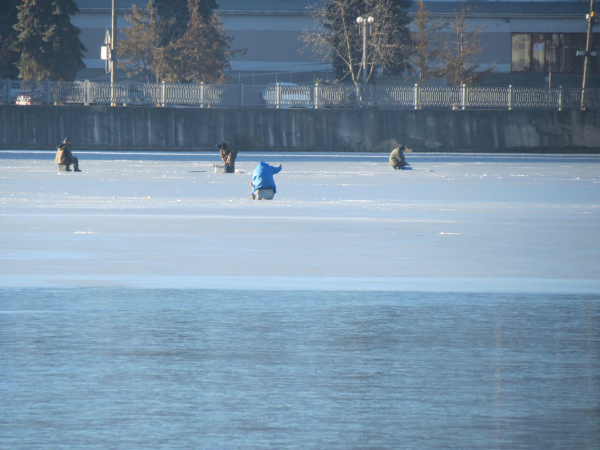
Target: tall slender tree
{"points": [[176, 13], [8, 56], [428, 43], [458, 68], [388, 45], [138, 51], [48, 42], [203, 50], [201, 54]]}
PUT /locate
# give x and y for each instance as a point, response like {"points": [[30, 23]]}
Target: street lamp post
{"points": [[364, 22], [588, 53], [113, 52]]}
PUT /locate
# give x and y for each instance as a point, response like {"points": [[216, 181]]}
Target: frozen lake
{"points": [[147, 302], [456, 223]]}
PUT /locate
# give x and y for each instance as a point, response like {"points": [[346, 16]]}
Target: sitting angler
{"points": [[65, 158], [397, 160], [228, 155], [263, 184]]}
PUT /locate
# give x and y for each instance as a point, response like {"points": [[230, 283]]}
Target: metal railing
{"points": [[286, 95]]}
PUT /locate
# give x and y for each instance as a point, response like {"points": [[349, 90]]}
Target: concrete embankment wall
{"points": [[185, 129]]}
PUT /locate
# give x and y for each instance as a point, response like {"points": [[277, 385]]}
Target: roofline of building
{"points": [[436, 10], [472, 14]]}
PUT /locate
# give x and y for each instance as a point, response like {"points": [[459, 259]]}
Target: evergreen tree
{"points": [[47, 41], [388, 44], [177, 14], [8, 57]]}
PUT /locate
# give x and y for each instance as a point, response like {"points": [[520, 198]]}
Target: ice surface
{"points": [[456, 222]]}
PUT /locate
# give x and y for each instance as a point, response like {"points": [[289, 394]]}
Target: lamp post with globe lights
{"points": [[364, 23]]}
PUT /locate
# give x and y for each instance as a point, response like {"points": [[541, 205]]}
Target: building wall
{"points": [[176, 129], [274, 44]]}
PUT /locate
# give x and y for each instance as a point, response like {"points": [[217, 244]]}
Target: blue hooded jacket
{"points": [[262, 178]]}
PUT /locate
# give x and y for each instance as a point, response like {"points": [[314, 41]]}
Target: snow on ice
{"points": [[456, 222]]}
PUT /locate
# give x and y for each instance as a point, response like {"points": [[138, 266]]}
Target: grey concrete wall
{"points": [[155, 128]]}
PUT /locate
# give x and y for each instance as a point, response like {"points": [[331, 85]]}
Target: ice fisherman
{"points": [[262, 177], [64, 156], [228, 155], [397, 159]]}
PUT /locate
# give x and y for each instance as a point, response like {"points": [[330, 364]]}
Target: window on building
{"points": [[565, 53], [552, 52], [538, 52], [552, 47], [521, 59]]}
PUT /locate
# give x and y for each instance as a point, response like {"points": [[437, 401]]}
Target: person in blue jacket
{"points": [[262, 177]]}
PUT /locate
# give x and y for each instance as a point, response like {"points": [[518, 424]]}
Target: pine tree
{"points": [[47, 41], [8, 57], [388, 44], [177, 14]]}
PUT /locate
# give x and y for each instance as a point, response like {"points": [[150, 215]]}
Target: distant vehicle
{"points": [[291, 96], [30, 98]]}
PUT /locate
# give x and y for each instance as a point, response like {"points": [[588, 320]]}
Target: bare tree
{"points": [[339, 39], [428, 43], [457, 70]]}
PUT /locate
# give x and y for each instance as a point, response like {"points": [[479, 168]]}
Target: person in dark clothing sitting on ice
{"points": [[228, 155], [262, 181], [64, 156], [397, 160]]}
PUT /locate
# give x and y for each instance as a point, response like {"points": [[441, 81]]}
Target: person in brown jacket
{"points": [[397, 159], [228, 155], [64, 156]]}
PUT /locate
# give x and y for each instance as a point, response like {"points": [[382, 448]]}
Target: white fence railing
{"points": [[286, 95]]}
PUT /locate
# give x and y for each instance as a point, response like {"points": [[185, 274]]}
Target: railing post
{"points": [[277, 95], [163, 93], [47, 92], [86, 98], [127, 99], [463, 94], [316, 95], [241, 95], [560, 98], [202, 94], [7, 92], [417, 97], [510, 96]]}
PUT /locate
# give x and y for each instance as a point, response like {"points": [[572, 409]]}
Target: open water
{"points": [[206, 369]]}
